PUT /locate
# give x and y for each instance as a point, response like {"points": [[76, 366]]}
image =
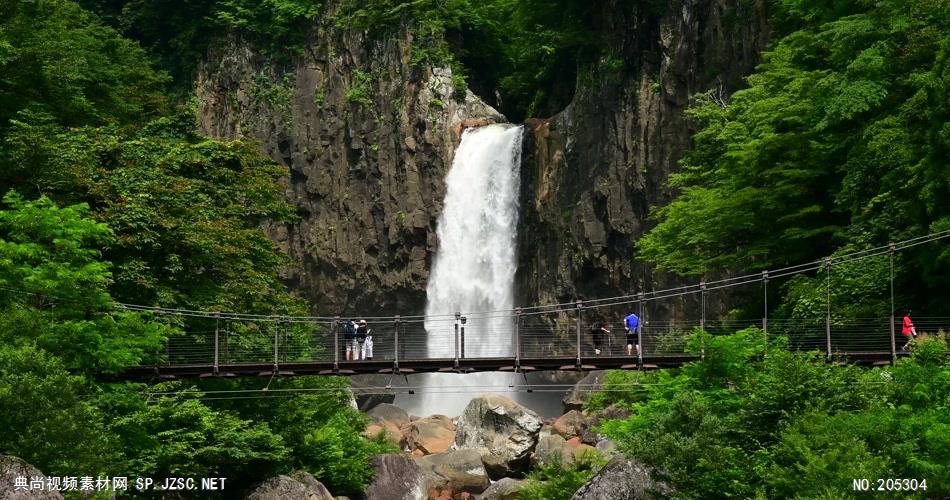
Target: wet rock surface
{"points": [[12, 468], [433, 434], [503, 432], [456, 470], [301, 486], [503, 489], [623, 479], [367, 137], [397, 478]]}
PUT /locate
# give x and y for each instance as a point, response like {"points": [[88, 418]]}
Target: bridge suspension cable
{"points": [[538, 309]]}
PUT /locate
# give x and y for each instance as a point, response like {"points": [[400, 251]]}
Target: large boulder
{"points": [[12, 468], [580, 393], [386, 412], [457, 471], [623, 479], [390, 419], [503, 489], [550, 449], [571, 424], [397, 478], [434, 434], [302, 486], [503, 432]]}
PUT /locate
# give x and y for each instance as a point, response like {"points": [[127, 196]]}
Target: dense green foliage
{"points": [[787, 425], [58, 64], [178, 34], [840, 143], [556, 481], [111, 196], [527, 50]]}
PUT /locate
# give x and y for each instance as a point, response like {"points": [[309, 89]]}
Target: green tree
{"points": [[319, 421], [49, 416], [57, 60], [739, 425], [839, 141], [56, 288]]}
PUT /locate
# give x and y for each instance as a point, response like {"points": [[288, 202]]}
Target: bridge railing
{"points": [[257, 342]]}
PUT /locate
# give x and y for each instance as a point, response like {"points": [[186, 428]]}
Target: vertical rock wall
{"points": [[592, 172], [367, 137]]}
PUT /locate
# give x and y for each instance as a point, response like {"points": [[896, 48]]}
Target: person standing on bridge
{"points": [[597, 331], [349, 339], [908, 330], [632, 325], [362, 333]]}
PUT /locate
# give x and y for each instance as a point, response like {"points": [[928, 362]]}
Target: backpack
{"points": [[349, 329]]}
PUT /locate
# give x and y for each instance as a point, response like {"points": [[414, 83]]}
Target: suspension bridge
{"points": [[537, 337]]}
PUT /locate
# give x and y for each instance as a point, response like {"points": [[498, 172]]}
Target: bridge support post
{"points": [[397, 319], [517, 338], [458, 321], [276, 341], [335, 328], [702, 319], [828, 307], [639, 331], [765, 310], [217, 316], [462, 338], [579, 306], [640, 347], [891, 248]]}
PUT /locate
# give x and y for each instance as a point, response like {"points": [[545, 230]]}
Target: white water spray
{"points": [[474, 269]]}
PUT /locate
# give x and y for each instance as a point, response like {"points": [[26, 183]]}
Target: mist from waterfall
{"points": [[474, 269]]}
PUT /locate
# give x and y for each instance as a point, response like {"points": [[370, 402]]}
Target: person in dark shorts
{"points": [[597, 331], [632, 323], [349, 339]]}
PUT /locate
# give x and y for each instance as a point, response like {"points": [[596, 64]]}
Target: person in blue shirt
{"points": [[632, 323]]}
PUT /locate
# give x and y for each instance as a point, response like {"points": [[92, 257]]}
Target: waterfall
{"points": [[474, 269]]}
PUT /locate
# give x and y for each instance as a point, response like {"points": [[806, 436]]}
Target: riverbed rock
{"points": [[550, 449], [389, 413], [12, 468], [503, 489], [580, 393], [433, 434], [456, 470], [302, 486], [623, 479], [572, 423], [397, 478], [390, 419], [502, 431]]}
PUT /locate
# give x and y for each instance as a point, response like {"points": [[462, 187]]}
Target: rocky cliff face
{"points": [[592, 172], [367, 137]]}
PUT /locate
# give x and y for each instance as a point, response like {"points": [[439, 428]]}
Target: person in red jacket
{"points": [[908, 331]]}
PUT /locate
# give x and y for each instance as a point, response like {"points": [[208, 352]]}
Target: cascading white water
{"points": [[474, 269]]}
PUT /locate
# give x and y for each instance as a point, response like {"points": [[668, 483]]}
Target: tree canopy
{"points": [[839, 142]]}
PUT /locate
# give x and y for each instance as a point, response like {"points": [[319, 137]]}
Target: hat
{"points": [[362, 321]]}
